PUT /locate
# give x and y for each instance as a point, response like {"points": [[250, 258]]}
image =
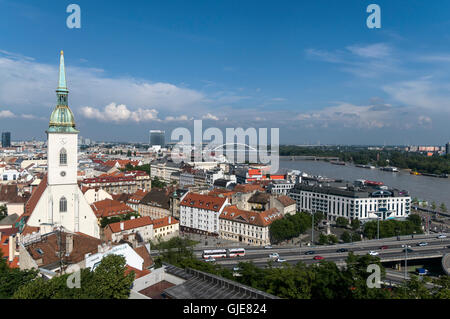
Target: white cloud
{"points": [[180, 118], [209, 116], [377, 50], [119, 113], [6, 114]]}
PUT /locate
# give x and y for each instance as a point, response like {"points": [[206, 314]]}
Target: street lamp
{"points": [[378, 227], [312, 230], [406, 261]]}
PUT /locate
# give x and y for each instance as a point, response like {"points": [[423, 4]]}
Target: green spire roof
{"points": [[62, 119]]}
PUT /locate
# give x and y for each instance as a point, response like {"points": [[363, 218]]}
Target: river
{"points": [[423, 187]]}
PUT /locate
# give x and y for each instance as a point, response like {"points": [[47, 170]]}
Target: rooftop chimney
{"points": [[122, 226], [170, 219]]}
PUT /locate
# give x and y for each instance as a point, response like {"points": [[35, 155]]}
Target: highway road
{"points": [[260, 256]]}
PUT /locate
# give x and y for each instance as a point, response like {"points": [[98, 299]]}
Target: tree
{"points": [[323, 239], [128, 153], [433, 206], [332, 239], [346, 237], [341, 222], [107, 281], [443, 208], [355, 224], [13, 278]]}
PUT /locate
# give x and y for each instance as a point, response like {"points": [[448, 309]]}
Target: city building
{"points": [[200, 213], [141, 227], [128, 182], [58, 201], [157, 138], [155, 204], [280, 187], [6, 139], [350, 201], [447, 148], [247, 227]]}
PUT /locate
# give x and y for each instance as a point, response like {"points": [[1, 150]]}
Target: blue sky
{"points": [[311, 68]]}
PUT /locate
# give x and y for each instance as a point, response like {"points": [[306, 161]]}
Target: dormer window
{"points": [[63, 157]]}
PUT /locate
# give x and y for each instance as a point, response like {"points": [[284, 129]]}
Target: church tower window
{"points": [[63, 205], [63, 157]]}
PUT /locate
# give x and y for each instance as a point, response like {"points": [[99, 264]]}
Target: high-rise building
{"points": [[6, 139], [447, 148], [157, 137]]}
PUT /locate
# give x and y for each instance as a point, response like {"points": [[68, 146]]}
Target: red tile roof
{"points": [[261, 219], [138, 273], [207, 202], [286, 200], [130, 224], [247, 188], [163, 222], [110, 207], [35, 196]]}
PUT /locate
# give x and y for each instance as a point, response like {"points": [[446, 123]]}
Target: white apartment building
{"points": [[200, 213], [280, 187], [247, 226], [352, 202]]}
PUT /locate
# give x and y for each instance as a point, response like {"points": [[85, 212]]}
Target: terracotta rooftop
{"points": [[207, 202], [110, 207], [285, 200], [130, 224], [247, 188], [261, 219], [163, 222], [143, 252], [45, 251], [35, 196]]}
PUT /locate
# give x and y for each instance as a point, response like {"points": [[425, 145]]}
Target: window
{"points": [[63, 157], [63, 205]]}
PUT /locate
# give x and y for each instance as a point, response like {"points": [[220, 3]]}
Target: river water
{"points": [[423, 187]]}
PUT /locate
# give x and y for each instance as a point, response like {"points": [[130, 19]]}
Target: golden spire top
{"points": [[62, 52]]}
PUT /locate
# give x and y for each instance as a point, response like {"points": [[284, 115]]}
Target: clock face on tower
{"points": [[63, 140]]}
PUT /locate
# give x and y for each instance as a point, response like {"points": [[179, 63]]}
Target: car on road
{"points": [[318, 258], [210, 259], [422, 244], [281, 260], [310, 252], [373, 253], [442, 236], [342, 250], [409, 250], [384, 247], [274, 256], [268, 247], [236, 268]]}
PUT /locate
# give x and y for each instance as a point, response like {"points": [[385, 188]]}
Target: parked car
{"points": [[422, 244], [318, 258], [342, 250], [310, 252], [236, 268], [373, 253], [274, 256]]}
